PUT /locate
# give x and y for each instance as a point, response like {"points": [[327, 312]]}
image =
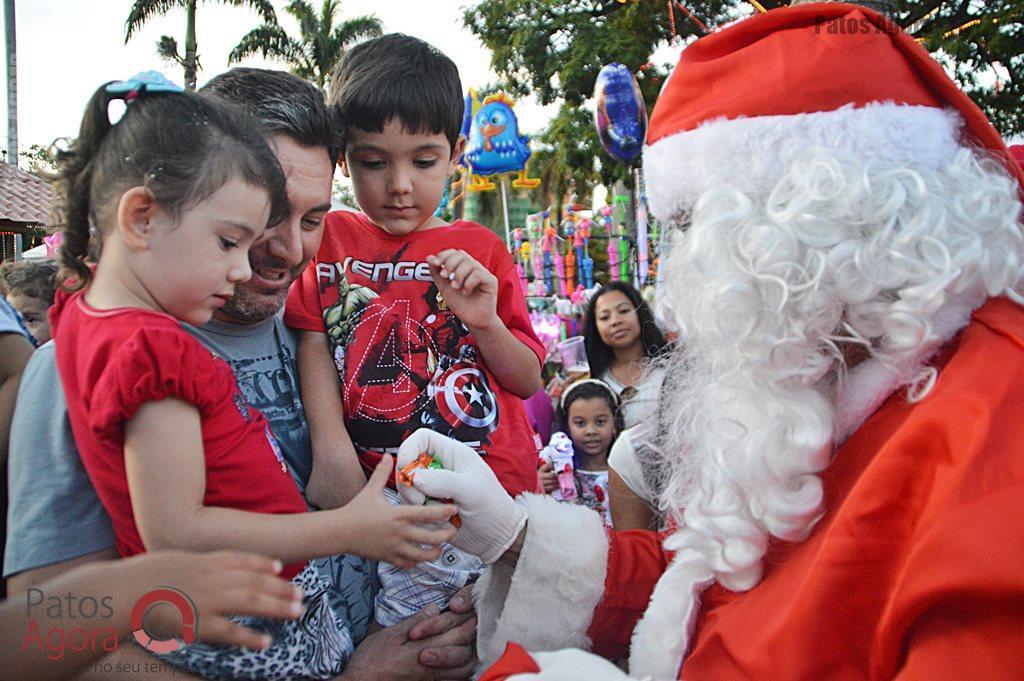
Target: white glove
{"points": [[491, 521]]}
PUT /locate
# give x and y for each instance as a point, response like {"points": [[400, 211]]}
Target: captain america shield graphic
{"points": [[463, 397]]}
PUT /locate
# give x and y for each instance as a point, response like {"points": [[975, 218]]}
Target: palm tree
{"points": [[12, 84], [320, 45], [167, 47]]}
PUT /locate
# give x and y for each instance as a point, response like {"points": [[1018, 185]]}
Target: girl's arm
{"points": [[336, 477], [167, 480]]}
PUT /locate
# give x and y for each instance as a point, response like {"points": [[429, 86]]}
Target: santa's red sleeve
{"points": [[591, 585]]}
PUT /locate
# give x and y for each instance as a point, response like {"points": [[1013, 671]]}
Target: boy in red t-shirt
{"points": [[408, 321]]}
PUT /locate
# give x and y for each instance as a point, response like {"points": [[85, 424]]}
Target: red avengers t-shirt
{"points": [[113, 361], [404, 359]]}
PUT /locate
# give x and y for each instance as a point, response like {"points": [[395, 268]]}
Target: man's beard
{"points": [[250, 305], [770, 295]]}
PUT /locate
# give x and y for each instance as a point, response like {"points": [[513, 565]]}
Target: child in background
{"points": [[589, 410], [29, 286], [178, 190], [407, 321]]}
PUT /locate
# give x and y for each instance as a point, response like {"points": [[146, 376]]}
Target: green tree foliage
{"points": [[563, 157], [321, 42], [982, 43], [553, 50], [40, 160], [167, 47]]}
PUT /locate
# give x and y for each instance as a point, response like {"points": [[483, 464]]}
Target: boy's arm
{"points": [[512, 363], [167, 481], [471, 291], [336, 477]]}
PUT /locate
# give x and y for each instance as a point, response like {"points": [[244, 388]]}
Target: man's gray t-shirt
{"points": [[262, 355], [55, 514]]}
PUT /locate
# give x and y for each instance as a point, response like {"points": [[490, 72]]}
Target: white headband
{"points": [[583, 381]]}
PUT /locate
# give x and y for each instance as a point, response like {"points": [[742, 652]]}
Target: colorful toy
{"points": [[559, 261], [534, 226], [569, 233], [641, 232], [623, 258], [495, 145], [405, 475], [559, 453], [621, 115], [549, 245], [424, 460], [613, 252]]}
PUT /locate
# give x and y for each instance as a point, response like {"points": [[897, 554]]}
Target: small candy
{"points": [[424, 460]]}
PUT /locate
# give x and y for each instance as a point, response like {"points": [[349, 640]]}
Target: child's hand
{"points": [[548, 478], [491, 521], [401, 535], [468, 288]]}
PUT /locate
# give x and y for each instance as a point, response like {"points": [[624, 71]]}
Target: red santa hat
{"points": [[744, 102]]}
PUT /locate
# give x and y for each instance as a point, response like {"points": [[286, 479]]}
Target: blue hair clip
{"points": [[147, 81]]}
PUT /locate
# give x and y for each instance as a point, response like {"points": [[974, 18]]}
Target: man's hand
{"points": [[490, 519], [469, 289], [428, 645]]}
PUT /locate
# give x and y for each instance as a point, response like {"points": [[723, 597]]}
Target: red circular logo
{"points": [[189, 620]]}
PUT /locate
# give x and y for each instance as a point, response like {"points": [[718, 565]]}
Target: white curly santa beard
{"points": [[768, 294]]}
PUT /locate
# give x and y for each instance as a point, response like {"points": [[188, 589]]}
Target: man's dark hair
{"points": [[285, 104], [398, 76]]}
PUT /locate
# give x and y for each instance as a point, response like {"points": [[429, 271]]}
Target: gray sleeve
{"points": [[9, 322], [53, 514]]}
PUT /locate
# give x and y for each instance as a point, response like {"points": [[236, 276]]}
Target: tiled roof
{"points": [[23, 197]]}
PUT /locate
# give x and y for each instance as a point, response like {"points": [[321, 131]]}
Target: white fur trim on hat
{"points": [[751, 154], [548, 601]]}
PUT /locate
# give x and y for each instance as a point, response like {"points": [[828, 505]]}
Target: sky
{"points": [[67, 48]]}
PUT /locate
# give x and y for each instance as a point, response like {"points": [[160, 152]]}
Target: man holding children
{"points": [[59, 527]]}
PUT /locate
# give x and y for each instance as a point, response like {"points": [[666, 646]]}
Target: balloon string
{"points": [[688, 13]]}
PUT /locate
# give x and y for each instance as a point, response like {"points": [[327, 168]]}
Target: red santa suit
{"points": [[913, 573], [915, 570]]}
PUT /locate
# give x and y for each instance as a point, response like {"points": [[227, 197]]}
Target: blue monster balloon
{"points": [[621, 115], [495, 145]]}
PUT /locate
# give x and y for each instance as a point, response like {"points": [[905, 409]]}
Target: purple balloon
{"points": [[621, 115]]}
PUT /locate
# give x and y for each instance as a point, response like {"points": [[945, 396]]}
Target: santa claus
{"points": [[843, 454]]}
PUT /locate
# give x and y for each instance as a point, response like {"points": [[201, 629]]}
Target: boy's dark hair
{"points": [[32, 278], [179, 145], [398, 76], [599, 354], [283, 103]]}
